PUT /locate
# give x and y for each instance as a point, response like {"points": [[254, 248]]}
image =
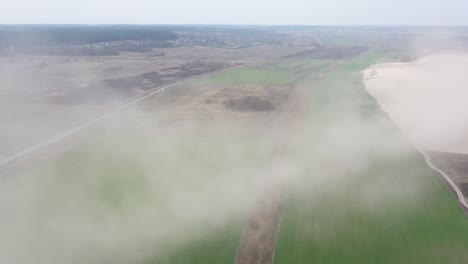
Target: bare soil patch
{"points": [[249, 103], [250, 98]]}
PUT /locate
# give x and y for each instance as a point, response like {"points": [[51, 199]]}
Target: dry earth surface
{"points": [[42, 96]]}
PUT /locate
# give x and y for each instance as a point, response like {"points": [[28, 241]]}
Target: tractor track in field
{"points": [[258, 240]]}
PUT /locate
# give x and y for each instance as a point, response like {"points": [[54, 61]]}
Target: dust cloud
{"points": [[139, 188], [426, 99]]}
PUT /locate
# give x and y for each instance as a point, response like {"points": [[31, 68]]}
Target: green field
{"points": [[280, 73], [187, 194], [409, 218]]}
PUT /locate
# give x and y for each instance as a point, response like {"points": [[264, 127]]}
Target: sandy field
{"points": [[426, 99]]}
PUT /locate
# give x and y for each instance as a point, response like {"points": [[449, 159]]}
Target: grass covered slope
{"points": [[377, 202]]}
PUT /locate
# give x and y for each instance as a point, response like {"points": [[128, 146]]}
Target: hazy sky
{"points": [[317, 12]]}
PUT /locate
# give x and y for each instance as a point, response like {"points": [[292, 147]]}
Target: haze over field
{"points": [[245, 132], [140, 186]]}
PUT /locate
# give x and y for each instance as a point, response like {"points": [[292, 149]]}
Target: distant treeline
{"points": [[35, 36], [81, 50], [106, 40]]}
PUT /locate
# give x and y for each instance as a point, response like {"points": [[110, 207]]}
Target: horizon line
{"points": [[235, 25]]}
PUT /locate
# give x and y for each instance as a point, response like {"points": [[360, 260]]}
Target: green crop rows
{"points": [[411, 219]]}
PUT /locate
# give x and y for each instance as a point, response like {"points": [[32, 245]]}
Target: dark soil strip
{"points": [[259, 238]]}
